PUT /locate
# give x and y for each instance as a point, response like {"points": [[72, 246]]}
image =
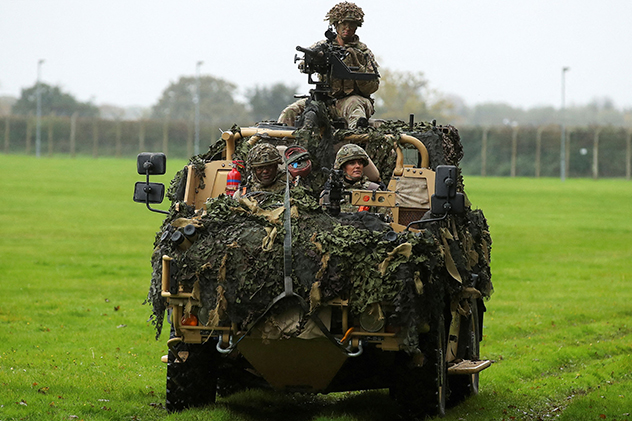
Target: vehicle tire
{"points": [[192, 379], [422, 391], [464, 385]]}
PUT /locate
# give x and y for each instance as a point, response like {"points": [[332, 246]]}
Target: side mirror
{"points": [[155, 163], [445, 181], [149, 192], [148, 163], [446, 199]]}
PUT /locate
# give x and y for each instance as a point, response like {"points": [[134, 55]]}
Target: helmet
{"points": [[263, 154], [349, 152], [345, 11]]}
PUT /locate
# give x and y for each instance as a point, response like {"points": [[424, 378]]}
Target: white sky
{"points": [[125, 52]]}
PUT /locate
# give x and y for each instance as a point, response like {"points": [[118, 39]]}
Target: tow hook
{"points": [[358, 352], [221, 342]]}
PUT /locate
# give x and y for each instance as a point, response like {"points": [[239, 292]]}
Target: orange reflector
{"points": [[366, 198], [189, 321]]}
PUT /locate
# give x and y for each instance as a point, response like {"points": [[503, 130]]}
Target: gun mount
{"points": [[327, 60]]}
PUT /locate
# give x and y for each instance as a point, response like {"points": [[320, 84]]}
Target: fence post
{"points": [[50, 135], [95, 138], [165, 135], [514, 150], [538, 150], [141, 135], [7, 134], [484, 152], [628, 155], [29, 129], [118, 138], [73, 133], [567, 155], [595, 166], [189, 140]]}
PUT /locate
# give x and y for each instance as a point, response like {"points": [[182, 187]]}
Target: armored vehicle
{"points": [[368, 289]]}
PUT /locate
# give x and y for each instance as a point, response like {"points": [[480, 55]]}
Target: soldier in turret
{"points": [[263, 165], [351, 161], [352, 98]]}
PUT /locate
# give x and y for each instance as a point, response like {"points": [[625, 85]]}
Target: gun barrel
{"points": [[309, 52]]}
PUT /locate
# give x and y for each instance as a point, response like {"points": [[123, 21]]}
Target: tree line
{"points": [[400, 94]]}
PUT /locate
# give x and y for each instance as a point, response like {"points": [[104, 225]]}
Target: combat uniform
{"points": [[362, 184], [276, 187], [262, 154], [345, 154], [352, 98]]}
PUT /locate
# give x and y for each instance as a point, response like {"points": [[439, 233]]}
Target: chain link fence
{"points": [[535, 151], [499, 151], [97, 137]]}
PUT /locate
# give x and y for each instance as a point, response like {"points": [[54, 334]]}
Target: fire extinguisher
{"points": [[233, 180]]}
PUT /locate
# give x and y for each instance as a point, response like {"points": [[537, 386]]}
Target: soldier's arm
{"points": [[367, 64]]}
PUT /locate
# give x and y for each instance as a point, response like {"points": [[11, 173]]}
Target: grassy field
{"points": [[75, 342]]}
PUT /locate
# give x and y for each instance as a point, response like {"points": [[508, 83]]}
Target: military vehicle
{"points": [[278, 290]]}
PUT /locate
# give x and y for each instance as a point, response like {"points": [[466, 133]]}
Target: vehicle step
{"points": [[469, 366]]}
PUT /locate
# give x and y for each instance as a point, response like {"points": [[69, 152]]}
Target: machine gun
{"points": [[333, 192], [326, 59]]}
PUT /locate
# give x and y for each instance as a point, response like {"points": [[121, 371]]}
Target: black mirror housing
{"points": [[441, 206], [149, 192], [445, 181], [446, 199], [156, 163]]}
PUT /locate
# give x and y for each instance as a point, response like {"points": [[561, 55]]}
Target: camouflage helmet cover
{"points": [[263, 154], [348, 153], [345, 11]]}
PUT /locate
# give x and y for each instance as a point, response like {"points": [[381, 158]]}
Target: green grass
{"points": [[75, 341]]}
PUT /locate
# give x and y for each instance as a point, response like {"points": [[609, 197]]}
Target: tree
{"points": [[217, 102], [403, 93], [495, 113], [54, 101], [266, 103]]}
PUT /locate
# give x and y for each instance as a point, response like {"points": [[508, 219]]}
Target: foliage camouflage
{"points": [[263, 154], [345, 11], [236, 263]]}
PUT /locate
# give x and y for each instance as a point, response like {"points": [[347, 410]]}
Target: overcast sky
{"points": [[126, 52]]}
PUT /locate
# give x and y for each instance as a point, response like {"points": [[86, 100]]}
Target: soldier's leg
{"points": [[354, 107], [291, 112]]}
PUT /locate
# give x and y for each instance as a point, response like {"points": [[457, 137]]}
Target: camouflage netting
{"points": [[235, 266], [442, 142]]}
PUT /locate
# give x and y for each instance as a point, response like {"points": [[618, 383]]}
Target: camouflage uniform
{"points": [[259, 156], [362, 184], [345, 154], [352, 97]]}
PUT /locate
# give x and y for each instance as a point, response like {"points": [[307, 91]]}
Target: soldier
{"points": [[263, 164], [351, 160], [353, 100]]}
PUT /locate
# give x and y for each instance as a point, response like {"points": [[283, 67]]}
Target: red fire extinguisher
{"points": [[233, 180]]}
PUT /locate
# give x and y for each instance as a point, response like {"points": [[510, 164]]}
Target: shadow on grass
{"points": [[265, 405]]}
